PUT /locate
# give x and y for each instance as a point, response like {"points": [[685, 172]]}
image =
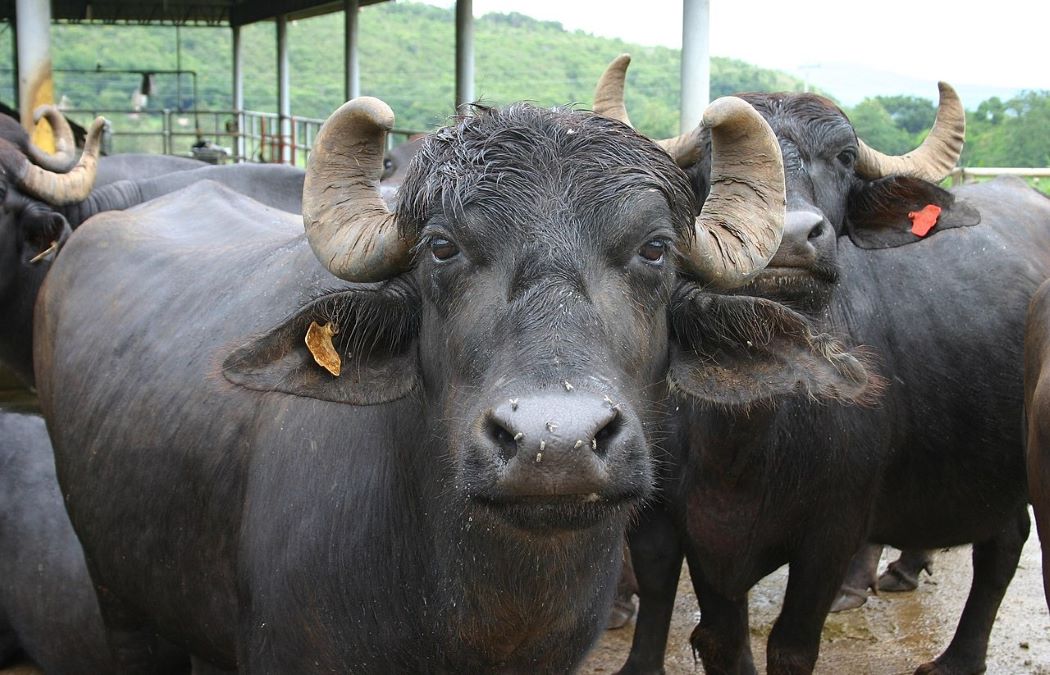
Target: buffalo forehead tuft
{"points": [[501, 160]]}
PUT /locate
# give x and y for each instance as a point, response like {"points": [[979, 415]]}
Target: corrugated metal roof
{"points": [[182, 12]]}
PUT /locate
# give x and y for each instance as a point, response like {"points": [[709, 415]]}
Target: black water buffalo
{"points": [[137, 166], [29, 224], [48, 611], [937, 462], [1037, 414], [276, 185], [455, 499], [39, 223]]}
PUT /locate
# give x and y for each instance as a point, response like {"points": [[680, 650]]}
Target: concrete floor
{"points": [[892, 634]]}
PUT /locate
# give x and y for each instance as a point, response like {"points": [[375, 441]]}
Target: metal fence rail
{"points": [[962, 174], [220, 135]]}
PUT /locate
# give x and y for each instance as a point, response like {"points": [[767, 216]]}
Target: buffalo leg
{"points": [[994, 563], [903, 573], [1042, 521], [859, 578], [722, 639], [9, 646], [623, 605], [656, 555], [813, 583]]}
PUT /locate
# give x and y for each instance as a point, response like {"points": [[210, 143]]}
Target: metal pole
{"points": [[284, 100], [464, 52], [35, 87], [696, 62], [238, 93], [14, 60], [352, 72], [178, 69]]}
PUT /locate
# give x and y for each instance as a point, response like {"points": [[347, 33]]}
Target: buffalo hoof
{"points": [[631, 669], [621, 613], [939, 667], [849, 598], [899, 579]]}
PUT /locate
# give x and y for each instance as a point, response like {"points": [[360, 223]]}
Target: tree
{"points": [[877, 128], [911, 113]]}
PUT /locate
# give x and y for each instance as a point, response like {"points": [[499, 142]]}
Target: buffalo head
{"points": [[29, 225], [835, 184], [523, 287]]}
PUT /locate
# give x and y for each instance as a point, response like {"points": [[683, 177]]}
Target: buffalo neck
{"points": [[116, 196]]}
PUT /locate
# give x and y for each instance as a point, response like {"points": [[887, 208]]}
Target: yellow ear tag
{"points": [[319, 342]]}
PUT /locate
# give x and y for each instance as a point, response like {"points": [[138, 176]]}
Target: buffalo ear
{"points": [[737, 351], [375, 340], [878, 211], [42, 226]]}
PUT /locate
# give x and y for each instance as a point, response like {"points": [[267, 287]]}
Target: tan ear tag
{"points": [[319, 342]]}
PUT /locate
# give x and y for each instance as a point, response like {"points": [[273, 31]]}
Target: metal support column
{"points": [[464, 52], [696, 62], [35, 87], [284, 98], [238, 94], [352, 73], [14, 62]]}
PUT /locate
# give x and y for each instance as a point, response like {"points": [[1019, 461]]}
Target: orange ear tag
{"points": [[319, 342], [923, 221]]}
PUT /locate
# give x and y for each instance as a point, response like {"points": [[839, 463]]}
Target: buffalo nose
{"points": [[801, 230], [552, 426]]}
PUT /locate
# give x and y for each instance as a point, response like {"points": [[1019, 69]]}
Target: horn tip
{"points": [[371, 108], [42, 110], [724, 108], [947, 91]]}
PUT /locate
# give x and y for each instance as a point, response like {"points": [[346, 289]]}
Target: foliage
{"points": [[1014, 133], [876, 126]]}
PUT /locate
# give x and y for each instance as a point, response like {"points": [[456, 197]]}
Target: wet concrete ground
{"points": [[892, 634]]}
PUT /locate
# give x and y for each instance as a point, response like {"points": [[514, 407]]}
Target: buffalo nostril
{"points": [[503, 438], [817, 230], [604, 437]]}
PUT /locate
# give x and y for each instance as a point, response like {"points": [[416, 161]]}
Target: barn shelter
{"points": [[32, 19]]}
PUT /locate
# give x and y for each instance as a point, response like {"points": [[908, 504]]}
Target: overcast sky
{"points": [[1003, 42]]}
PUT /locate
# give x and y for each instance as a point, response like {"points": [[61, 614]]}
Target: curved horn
{"points": [[60, 189], [608, 95], [741, 223], [348, 225], [935, 158], [65, 155], [609, 102]]}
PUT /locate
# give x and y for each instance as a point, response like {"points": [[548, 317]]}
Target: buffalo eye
{"points": [[653, 250], [848, 157], [443, 249]]}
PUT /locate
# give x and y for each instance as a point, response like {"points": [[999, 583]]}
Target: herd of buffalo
{"points": [[418, 436]]}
